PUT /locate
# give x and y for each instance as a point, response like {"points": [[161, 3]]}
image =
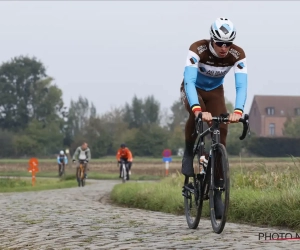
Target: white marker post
{"points": [[167, 168], [167, 159]]}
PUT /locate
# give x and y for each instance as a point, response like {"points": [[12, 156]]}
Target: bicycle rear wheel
{"points": [[193, 197], [220, 189]]}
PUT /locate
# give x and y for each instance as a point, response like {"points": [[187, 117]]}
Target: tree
{"points": [[38, 139], [47, 103], [133, 114], [229, 106], [142, 112], [292, 127], [179, 115], [176, 140], [79, 113], [114, 124], [7, 144], [26, 93], [151, 108], [149, 140]]}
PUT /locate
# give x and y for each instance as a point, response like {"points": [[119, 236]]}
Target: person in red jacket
{"points": [[124, 154]]}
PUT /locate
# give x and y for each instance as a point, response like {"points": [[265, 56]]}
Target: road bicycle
{"points": [[80, 173], [210, 181], [61, 170], [123, 171]]}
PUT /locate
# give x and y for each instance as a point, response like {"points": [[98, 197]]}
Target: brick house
{"points": [[268, 113]]}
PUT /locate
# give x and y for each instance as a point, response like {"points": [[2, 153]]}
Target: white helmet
{"points": [[61, 152], [222, 30]]}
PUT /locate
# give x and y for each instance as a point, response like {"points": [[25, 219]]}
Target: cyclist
{"points": [[124, 154], [82, 153], [61, 159], [202, 92]]}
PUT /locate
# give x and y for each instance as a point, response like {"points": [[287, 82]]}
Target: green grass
{"points": [[265, 196], [91, 175], [164, 196], [22, 185], [16, 173], [102, 176]]}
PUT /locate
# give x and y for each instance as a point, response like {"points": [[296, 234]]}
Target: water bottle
{"points": [[203, 164]]}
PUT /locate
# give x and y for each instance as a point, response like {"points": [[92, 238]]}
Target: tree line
{"points": [[35, 121]]}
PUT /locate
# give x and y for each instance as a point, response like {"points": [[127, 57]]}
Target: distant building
{"points": [[268, 113]]}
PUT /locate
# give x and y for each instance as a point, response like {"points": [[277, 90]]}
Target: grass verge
{"points": [[21, 185], [265, 196], [91, 175]]}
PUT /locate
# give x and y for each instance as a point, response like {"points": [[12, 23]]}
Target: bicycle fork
{"points": [[206, 180]]}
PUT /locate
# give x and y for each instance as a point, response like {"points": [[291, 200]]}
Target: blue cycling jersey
{"points": [[205, 70], [62, 159]]}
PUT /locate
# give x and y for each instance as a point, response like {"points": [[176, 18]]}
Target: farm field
{"points": [[141, 166]]}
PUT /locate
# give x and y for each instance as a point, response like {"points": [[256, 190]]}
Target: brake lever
{"points": [[246, 126], [198, 120]]}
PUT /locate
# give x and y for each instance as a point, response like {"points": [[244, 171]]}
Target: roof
{"points": [[283, 105]]}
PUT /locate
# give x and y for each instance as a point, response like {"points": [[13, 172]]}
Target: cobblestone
{"points": [[81, 218]]}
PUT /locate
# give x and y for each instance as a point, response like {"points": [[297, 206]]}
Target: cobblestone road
{"points": [[80, 218]]}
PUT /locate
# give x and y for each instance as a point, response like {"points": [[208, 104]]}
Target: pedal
{"points": [[185, 194], [219, 189]]}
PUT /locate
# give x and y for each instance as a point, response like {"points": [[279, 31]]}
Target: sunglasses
{"points": [[221, 44]]}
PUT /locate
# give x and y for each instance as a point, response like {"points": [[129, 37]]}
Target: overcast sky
{"points": [[109, 51]]}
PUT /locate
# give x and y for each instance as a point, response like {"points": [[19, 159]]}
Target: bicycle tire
{"points": [[63, 171], [82, 176], [78, 177], [123, 173], [83, 182], [59, 171], [193, 199], [219, 226]]}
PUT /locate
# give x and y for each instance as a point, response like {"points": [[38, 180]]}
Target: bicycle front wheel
{"points": [[193, 197], [220, 188], [123, 173], [63, 171]]}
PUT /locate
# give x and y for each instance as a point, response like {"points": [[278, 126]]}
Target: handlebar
{"points": [[80, 161], [224, 118]]}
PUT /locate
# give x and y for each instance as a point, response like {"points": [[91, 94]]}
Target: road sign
{"points": [[167, 159], [33, 168], [167, 153], [33, 165]]}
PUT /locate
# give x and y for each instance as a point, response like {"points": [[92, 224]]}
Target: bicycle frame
{"points": [[208, 177], [62, 167], [81, 169], [202, 185], [214, 129]]}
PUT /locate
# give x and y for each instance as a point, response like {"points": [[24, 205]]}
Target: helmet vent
{"points": [[217, 32]]}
